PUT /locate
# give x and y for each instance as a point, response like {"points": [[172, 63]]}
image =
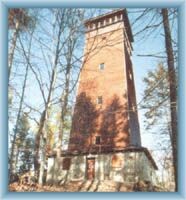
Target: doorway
{"points": [[90, 168]]}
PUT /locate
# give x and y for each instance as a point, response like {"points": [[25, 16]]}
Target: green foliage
{"points": [[26, 155], [22, 130], [156, 96], [24, 144]]}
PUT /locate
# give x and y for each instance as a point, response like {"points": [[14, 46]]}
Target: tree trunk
{"points": [[41, 130], [173, 91], [47, 105], [13, 149], [12, 49], [65, 94], [38, 141], [43, 160], [64, 102], [12, 166]]}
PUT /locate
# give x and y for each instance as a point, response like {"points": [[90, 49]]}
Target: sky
{"points": [[152, 44], [141, 66]]}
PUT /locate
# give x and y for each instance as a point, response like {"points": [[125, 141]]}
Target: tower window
{"points": [[113, 19], [101, 66], [107, 20], [118, 17], [98, 140], [99, 100], [130, 75], [94, 25], [66, 163]]}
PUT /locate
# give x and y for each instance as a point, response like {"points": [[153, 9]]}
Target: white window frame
{"points": [[101, 99], [102, 66]]}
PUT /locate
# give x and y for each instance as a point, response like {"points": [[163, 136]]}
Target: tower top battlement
{"points": [[105, 20]]}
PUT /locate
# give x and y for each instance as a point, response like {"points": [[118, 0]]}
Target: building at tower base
{"points": [[129, 165], [105, 141]]}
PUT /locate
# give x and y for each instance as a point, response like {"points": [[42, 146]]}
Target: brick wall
{"points": [[110, 119]]}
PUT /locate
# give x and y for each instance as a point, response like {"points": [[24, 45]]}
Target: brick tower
{"points": [[105, 116], [105, 139]]}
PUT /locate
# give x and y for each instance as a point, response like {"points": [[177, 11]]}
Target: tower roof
{"points": [[111, 14]]}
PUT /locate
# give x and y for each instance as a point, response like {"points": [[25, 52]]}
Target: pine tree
{"points": [[156, 96], [156, 103], [22, 132], [26, 155]]}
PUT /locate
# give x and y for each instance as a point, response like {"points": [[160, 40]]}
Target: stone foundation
{"points": [[119, 167]]}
